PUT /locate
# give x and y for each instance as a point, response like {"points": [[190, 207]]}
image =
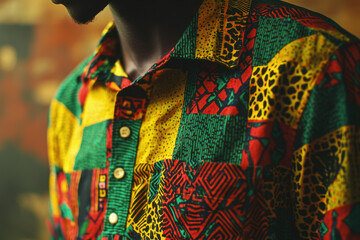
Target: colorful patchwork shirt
{"points": [[248, 129]]}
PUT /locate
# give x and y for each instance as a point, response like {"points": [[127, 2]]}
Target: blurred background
{"points": [[39, 46]]}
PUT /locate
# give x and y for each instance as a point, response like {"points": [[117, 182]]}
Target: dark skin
{"points": [[147, 29]]}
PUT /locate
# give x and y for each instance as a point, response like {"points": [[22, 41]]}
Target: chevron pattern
{"points": [[211, 201]]}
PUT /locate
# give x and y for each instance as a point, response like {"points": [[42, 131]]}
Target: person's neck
{"points": [[148, 30]]}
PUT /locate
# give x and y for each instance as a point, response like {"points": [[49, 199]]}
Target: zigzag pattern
{"points": [[138, 208], [155, 180], [145, 212], [211, 201], [304, 17]]}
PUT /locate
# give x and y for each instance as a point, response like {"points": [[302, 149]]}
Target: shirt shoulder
{"points": [[305, 60], [69, 92], [280, 25], [276, 9], [64, 120]]}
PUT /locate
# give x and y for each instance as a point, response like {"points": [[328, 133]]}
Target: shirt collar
{"points": [[215, 34]]}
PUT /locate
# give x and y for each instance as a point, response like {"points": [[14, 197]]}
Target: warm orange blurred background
{"points": [[39, 46]]}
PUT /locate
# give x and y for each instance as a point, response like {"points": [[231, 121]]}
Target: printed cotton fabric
{"points": [[248, 129]]}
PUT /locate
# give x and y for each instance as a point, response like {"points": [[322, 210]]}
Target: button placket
{"points": [[123, 156]]}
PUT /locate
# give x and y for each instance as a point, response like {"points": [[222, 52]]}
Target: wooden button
{"points": [[125, 132], [113, 218], [119, 173]]}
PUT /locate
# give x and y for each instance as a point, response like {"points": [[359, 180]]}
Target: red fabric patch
{"points": [[234, 84], [262, 144], [130, 108], [83, 92], [211, 200], [302, 16], [125, 83], [203, 101], [334, 221], [212, 108], [232, 110], [213, 96]]}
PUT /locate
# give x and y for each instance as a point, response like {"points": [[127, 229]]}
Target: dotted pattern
{"points": [[159, 129], [286, 199], [208, 24]]}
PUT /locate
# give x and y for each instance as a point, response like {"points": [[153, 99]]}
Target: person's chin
{"points": [[83, 11], [81, 17], [59, 1]]}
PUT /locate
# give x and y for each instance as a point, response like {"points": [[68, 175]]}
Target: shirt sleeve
{"points": [[326, 160], [63, 125]]}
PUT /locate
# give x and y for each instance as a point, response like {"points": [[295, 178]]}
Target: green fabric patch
{"points": [[186, 47], [155, 180], [314, 14], [323, 229], [335, 233], [275, 34], [327, 110], [69, 89], [92, 153], [123, 155], [66, 212], [334, 40], [214, 138], [83, 227], [353, 220]]}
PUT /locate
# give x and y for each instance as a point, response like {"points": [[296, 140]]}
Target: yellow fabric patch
{"points": [[64, 136], [118, 70], [235, 17], [346, 187], [53, 194], [312, 170], [161, 123], [208, 25], [139, 193], [335, 34], [154, 211], [108, 28], [110, 45], [218, 36], [65, 132], [310, 52], [141, 211], [293, 70], [99, 105]]}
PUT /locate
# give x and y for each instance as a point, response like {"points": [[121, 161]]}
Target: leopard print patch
{"points": [[280, 90], [220, 27], [345, 189], [317, 166]]}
